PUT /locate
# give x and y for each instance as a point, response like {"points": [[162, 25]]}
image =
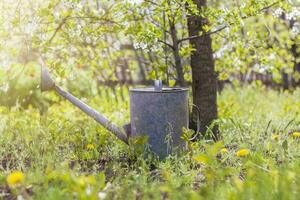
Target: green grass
{"points": [[65, 155]]}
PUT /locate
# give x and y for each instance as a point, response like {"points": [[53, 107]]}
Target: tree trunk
{"points": [[204, 84], [138, 58], [177, 58], [296, 55], [285, 80]]}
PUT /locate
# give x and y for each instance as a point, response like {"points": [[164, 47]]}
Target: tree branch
{"points": [[165, 43], [153, 3], [65, 19], [60, 25], [205, 34], [222, 27], [96, 18]]}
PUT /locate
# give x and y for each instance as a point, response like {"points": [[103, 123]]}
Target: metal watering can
{"points": [[158, 112]]}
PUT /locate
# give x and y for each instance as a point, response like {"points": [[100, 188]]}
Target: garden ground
{"points": [[63, 154]]}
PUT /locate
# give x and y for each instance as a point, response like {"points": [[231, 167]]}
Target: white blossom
{"points": [[136, 45], [143, 45], [137, 2], [56, 15], [224, 9], [79, 5], [220, 19], [5, 64], [293, 15], [88, 40], [20, 197], [126, 24], [295, 30], [272, 56], [88, 191], [278, 12], [227, 30], [261, 68], [4, 87], [101, 195], [222, 50], [30, 28], [43, 36], [117, 45], [156, 47], [108, 185], [140, 45]]}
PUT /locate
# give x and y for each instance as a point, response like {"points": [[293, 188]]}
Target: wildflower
{"points": [[90, 147], [295, 134], [15, 178], [202, 158], [101, 195], [242, 152], [275, 137], [81, 181], [88, 190], [20, 197], [238, 183], [223, 151]]}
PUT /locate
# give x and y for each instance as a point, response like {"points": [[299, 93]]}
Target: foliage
{"points": [[121, 40]]}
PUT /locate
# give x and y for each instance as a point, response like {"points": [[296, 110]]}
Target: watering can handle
{"points": [[198, 123], [158, 85]]}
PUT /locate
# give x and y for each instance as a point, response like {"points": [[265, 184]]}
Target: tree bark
{"points": [[142, 72], [177, 58], [204, 78], [296, 55]]}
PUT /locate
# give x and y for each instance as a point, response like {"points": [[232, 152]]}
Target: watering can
{"points": [[158, 112]]}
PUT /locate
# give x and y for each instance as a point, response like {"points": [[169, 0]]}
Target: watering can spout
{"points": [[47, 84]]}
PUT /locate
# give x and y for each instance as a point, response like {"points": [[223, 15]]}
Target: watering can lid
{"points": [[163, 90]]}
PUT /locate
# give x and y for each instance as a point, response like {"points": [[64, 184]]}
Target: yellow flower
{"points": [[224, 150], [275, 137], [86, 180], [242, 152], [15, 178], [81, 181], [90, 147], [296, 134]]}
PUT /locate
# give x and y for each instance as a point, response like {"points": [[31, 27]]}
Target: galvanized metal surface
{"points": [[161, 115], [158, 85], [158, 112], [46, 81]]}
